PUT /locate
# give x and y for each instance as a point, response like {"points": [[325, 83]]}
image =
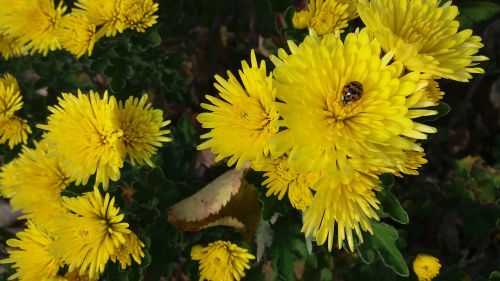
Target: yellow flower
{"points": [[339, 208], [417, 102], [412, 162], [301, 19], [85, 133], [89, 236], [10, 47], [34, 24], [426, 267], [424, 36], [330, 16], [132, 248], [77, 35], [104, 12], [32, 259], [34, 182], [243, 121], [10, 96], [326, 16], [345, 115], [138, 14], [13, 129], [142, 129], [431, 95], [221, 260], [327, 131], [282, 177]]}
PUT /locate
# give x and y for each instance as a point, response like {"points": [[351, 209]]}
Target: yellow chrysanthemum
{"points": [[13, 129], [221, 260], [412, 162], [10, 47], [131, 249], [301, 19], [426, 267], [341, 209], [282, 177], [32, 259], [10, 96], [92, 146], [34, 23], [138, 14], [346, 115], [89, 236], [431, 95], [330, 16], [142, 129], [104, 13], [34, 182], [324, 129], [424, 36], [326, 16], [77, 35], [245, 118]]}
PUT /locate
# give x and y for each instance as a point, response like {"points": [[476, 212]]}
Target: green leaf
{"points": [[494, 276], [100, 64], [150, 38], [390, 205], [156, 177], [383, 241], [471, 14], [367, 254], [326, 274]]}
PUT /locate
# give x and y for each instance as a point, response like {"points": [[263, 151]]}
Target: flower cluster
{"points": [[336, 114], [221, 260], [28, 27], [84, 235], [108, 131], [85, 135]]}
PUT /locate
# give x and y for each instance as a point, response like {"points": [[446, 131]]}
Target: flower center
{"points": [[251, 114], [83, 234], [284, 171], [111, 137]]}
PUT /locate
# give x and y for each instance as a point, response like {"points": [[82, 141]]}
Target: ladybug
{"points": [[352, 92]]}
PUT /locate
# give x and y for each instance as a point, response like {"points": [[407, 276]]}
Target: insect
{"points": [[352, 92]]}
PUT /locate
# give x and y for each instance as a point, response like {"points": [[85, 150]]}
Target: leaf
{"points": [[225, 221], [288, 248], [367, 254], [263, 238], [148, 39], [209, 200], [326, 274], [383, 241], [471, 14], [212, 206], [390, 205], [494, 276]]}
